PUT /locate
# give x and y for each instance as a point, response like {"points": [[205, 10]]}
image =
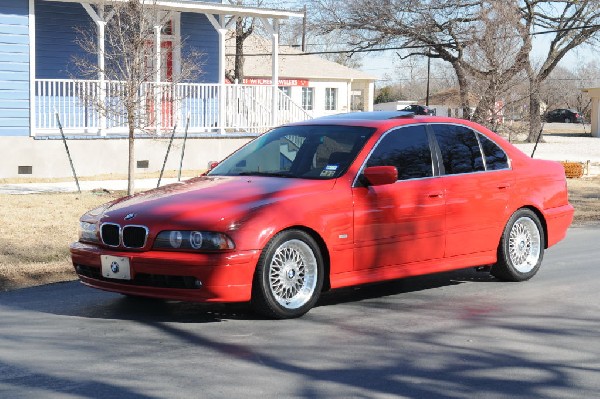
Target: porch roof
{"points": [[204, 8]]}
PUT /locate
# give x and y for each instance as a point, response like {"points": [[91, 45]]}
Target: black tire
{"points": [[289, 276], [567, 120], [521, 248]]}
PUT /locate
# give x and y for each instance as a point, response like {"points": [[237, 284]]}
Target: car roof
{"points": [[367, 116], [381, 119]]}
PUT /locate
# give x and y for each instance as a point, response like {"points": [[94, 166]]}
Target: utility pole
{"points": [[428, 73], [304, 31]]}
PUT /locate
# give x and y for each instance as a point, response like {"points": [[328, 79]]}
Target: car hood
{"points": [[215, 203]]}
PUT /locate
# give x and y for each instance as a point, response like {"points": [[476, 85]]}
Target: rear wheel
{"points": [[521, 248], [289, 276]]}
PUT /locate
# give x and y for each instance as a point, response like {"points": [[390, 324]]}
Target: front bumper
{"points": [[223, 277]]}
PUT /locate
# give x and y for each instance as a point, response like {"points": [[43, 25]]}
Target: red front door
{"points": [[164, 91]]}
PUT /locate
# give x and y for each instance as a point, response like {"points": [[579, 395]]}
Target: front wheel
{"points": [[521, 248], [567, 120], [289, 276]]}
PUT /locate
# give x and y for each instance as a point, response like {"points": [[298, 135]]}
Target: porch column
{"points": [[594, 93], [595, 117], [101, 75], [273, 30], [98, 18], [221, 27], [349, 96], [157, 87]]}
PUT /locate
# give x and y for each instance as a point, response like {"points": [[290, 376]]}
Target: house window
{"points": [[308, 96], [284, 101], [287, 90], [330, 99]]}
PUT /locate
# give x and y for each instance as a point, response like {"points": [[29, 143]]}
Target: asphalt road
{"points": [[452, 335]]}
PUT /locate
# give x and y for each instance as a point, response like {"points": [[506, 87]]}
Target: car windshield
{"points": [[309, 152]]}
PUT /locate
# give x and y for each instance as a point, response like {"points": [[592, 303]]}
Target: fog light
{"points": [[198, 284]]}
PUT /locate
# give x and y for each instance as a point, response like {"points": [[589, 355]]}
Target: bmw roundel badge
{"points": [[114, 267], [129, 216]]}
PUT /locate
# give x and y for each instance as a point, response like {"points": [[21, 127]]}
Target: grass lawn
{"points": [[35, 233], [36, 230]]}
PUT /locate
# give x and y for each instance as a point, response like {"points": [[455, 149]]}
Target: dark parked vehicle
{"points": [[419, 109], [564, 115]]}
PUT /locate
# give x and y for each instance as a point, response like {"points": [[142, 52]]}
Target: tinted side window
{"points": [[460, 149], [495, 157], [408, 150]]}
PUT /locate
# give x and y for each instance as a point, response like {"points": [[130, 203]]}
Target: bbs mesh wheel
{"points": [[521, 248], [289, 276]]}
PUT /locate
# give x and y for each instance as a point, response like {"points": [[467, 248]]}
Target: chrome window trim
{"points": [[508, 160], [362, 167], [477, 133]]}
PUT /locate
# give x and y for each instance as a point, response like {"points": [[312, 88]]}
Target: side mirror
{"points": [[380, 175], [211, 166]]}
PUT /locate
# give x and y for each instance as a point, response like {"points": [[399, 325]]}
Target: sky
{"points": [[382, 65]]}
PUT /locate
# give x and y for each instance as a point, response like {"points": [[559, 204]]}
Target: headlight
{"points": [[193, 240], [88, 232]]}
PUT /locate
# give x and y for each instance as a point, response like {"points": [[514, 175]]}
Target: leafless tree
{"points": [[499, 51], [244, 27], [487, 42], [572, 24], [562, 88], [436, 28], [129, 83]]}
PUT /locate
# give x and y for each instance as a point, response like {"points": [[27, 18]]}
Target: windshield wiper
{"points": [[271, 174]]}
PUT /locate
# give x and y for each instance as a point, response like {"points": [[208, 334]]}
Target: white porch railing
{"points": [[248, 108]]}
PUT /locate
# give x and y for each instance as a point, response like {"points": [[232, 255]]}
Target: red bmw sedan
{"points": [[327, 203]]}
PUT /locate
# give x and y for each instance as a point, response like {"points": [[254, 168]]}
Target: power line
{"points": [[415, 46]]}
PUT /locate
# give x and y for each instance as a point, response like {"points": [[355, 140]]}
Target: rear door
{"points": [[477, 182]]}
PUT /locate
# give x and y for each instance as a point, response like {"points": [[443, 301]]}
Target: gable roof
{"points": [[205, 7], [292, 63]]}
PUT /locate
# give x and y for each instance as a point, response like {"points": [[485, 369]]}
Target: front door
{"points": [[402, 223]]}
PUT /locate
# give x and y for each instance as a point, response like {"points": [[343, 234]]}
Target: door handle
{"points": [[436, 195], [503, 186]]}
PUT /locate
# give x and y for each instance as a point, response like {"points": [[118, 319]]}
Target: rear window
{"points": [[495, 157], [460, 149]]}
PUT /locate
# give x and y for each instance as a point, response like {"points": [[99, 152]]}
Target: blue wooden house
{"points": [[37, 43]]}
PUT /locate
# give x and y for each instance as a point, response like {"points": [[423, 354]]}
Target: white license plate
{"points": [[116, 267]]}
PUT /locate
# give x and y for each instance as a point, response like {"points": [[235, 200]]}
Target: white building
{"points": [[319, 86]]}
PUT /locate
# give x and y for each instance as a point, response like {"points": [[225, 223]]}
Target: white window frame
{"points": [[308, 98], [331, 98]]}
